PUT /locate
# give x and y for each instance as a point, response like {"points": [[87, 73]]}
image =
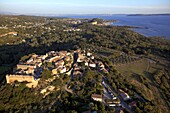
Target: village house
{"points": [[81, 58], [86, 63], [100, 64], [24, 67], [92, 64], [60, 63], [67, 58], [43, 57], [92, 57], [62, 69], [97, 97], [29, 71], [124, 95], [94, 23], [53, 58], [63, 53], [89, 54], [55, 71]]}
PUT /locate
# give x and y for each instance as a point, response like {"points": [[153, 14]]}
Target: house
{"points": [[54, 71], [67, 58], [97, 97], [100, 64], [111, 101], [86, 63], [29, 71], [23, 66], [94, 23], [92, 57], [60, 63], [92, 65], [43, 57], [80, 58], [34, 56], [53, 58], [62, 69], [124, 95], [112, 105], [29, 61], [63, 53], [38, 64], [89, 54]]}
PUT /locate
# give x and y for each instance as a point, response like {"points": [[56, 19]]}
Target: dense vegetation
{"points": [[113, 45]]}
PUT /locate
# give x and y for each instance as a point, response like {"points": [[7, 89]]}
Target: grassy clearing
{"points": [[138, 67], [141, 67], [139, 74]]}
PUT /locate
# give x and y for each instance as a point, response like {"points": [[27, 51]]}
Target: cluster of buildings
{"points": [[86, 59], [72, 29], [57, 62], [3, 27], [110, 99], [61, 61], [74, 21], [31, 69], [97, 97]]}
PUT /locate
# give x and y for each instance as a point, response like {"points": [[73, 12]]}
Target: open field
{"points": [[140, 75]]}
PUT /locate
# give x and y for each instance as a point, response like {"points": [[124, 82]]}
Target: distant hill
{"points": [[147, 14], [7, 13]]}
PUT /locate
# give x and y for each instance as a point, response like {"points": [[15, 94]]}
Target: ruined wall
{"points": [[19, 78], [20, 66]]}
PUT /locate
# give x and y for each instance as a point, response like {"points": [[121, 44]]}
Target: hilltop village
{"points": [[61, 62], [70, 64]]}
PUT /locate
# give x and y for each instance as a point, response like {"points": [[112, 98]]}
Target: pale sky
{"points": [[85, 6]]}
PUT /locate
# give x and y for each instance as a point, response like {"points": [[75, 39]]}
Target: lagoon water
{"points": [[153, 25]]}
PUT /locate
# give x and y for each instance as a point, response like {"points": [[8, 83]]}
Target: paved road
{"points": [[68, 90], [124, 104]]}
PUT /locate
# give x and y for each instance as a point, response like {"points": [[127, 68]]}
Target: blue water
{"points": [[155, 25]]}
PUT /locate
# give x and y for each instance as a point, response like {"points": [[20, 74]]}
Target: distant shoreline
{"points": [[148, 15]]}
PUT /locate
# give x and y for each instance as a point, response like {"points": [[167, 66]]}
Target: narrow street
{"points": [[124, 104]]}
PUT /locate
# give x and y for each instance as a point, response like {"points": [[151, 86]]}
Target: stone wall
{"points": [[20, 66], [19, 78]]}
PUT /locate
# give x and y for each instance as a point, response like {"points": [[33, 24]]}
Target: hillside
{"points": [[137, 64]]}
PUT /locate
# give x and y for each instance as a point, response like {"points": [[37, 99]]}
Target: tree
{"points": [[46, 74]]}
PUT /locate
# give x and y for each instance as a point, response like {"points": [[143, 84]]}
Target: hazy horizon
{"points": [[67, 7]]}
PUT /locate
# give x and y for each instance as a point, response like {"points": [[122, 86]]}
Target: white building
{"points": [[92, 65], [97, 97]]}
